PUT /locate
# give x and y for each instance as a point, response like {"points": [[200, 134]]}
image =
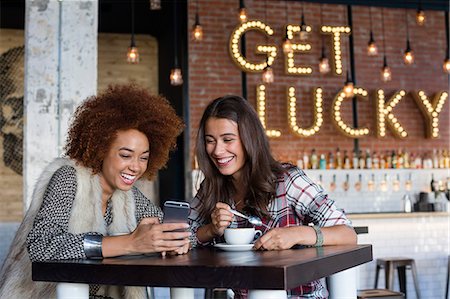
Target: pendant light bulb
{"points": [[197, 30], [408, 56], [267, 75], [303, 29], [133, 55], [349, 87], [386, 74], [176, 78], [242, 12], [324, 64], [287, 45], [446, 65], [372, 49], [420, 17]]}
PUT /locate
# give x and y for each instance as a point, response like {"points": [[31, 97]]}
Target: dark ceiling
{"points": [[115, 15]]}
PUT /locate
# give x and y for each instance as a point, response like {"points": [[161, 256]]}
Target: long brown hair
{"points": [[260, 170]]}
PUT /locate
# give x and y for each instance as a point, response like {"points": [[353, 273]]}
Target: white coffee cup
{"points": [[239, 236]]}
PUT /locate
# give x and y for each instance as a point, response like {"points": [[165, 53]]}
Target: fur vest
{"points": [[86, 216]]}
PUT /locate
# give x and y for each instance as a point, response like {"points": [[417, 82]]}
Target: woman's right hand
{"points": [[152, 236], [221, 218], [149, 236]]}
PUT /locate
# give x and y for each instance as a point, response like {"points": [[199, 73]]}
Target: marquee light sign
{"points": [[384, 110], [384, 113]]}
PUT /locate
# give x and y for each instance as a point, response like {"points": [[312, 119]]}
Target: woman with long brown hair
{"points": [[240, 172]]}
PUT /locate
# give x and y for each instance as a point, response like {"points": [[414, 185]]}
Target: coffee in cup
{"points": [[240, 236]]}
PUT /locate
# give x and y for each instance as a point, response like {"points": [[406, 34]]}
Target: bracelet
{"points": [[93, 246], [319, 236]]}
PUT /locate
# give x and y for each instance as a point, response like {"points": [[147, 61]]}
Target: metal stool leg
{"points": [[448, 278], [389, 279], [401, 270], [376, 276], [415, 278]]}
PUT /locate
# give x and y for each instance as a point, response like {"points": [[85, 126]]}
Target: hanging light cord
{"points": [[322, 36], [382, 29], [132, 24], [447, 32], [407, 27], [175, 36], [370, 18]]}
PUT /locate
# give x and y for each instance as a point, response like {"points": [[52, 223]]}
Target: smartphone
{"points": [[176, 211]]}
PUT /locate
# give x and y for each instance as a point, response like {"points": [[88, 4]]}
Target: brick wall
{"points": [[213, 74]]}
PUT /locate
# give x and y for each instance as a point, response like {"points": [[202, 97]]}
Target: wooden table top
{"points": [[210, 268]]}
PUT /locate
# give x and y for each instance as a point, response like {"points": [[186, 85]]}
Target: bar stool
{"points": [[379, 293], [401, 264]]}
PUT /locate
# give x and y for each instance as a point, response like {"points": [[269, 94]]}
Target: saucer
{"points": [[229, 247]]}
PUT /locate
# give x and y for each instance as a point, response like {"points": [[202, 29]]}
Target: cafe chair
{"points": [[379, 293], [401, 264]]}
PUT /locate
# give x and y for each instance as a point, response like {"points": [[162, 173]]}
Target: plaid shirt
{"points": [[298, 201]]}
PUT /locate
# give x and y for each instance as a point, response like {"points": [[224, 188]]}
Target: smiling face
{"points": [[224, 146], [125, 162]]}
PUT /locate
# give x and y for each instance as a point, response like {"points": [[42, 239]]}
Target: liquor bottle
{"points": [[306, 160], [433, 184], [393, 160], [361, 161], [388, 163], [300, 162], [406, 161], [330, 161], [400, 159], [382, 161], [441, 159], [435, 159], [368, 160], [339, 163], [322, 162], [346, 160], [376, 161], [355, 160], [446, 160], [314, 159]]}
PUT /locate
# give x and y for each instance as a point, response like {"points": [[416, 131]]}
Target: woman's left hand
{"points": [[278, 238]]}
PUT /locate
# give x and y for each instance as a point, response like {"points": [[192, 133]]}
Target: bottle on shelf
{"points": [[306, 161], [382, 161], [322, 162], [300, 162], [375, 161], [355, 160], [407, 203], [369, 164], [400, 160], [434, 185], [394, 160], [339, 163], [361, 161], [388, 161], [435, 159], [406, 161], [330, 161], [347, 164], [314, 159]]}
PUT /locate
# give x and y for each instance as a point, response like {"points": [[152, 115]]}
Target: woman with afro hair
{"points": [[86, 206]]}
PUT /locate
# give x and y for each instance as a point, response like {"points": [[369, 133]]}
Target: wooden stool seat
{"points": [[401, 264], [379, 293]]}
